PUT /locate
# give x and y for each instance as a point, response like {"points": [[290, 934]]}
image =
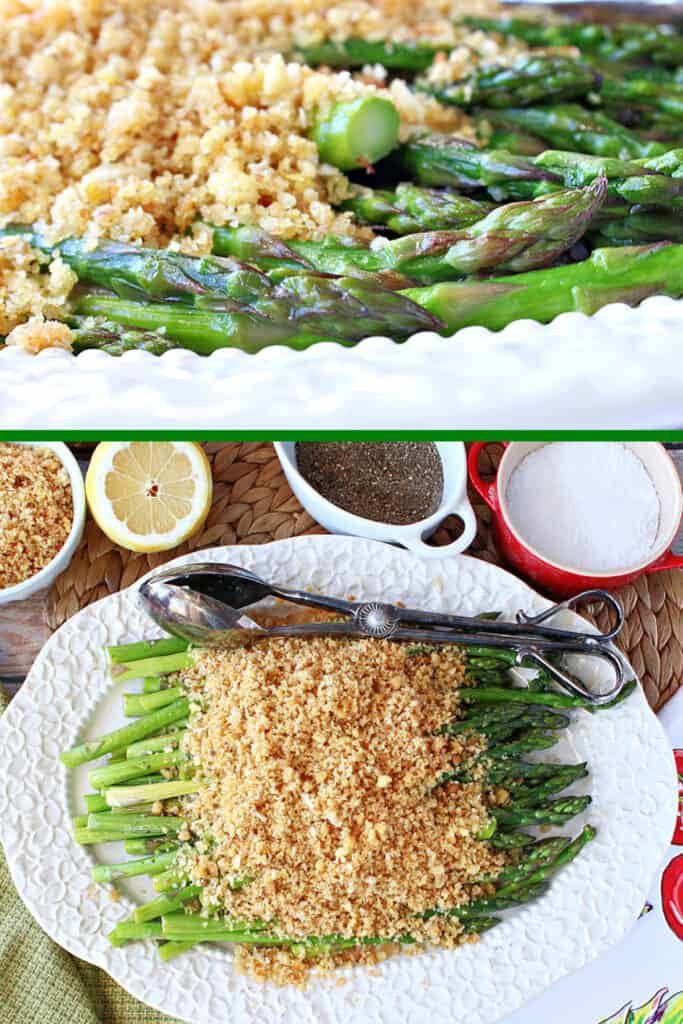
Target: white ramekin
{"points": [[453, 502], [49, 573]]}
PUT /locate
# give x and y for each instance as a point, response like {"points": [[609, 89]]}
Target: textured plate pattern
{"points": [[587, 909], [529, 376]]}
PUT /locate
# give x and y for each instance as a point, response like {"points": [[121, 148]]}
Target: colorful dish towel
{"points": [[41, 982]]}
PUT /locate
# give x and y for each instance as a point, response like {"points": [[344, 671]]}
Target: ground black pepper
{"points": [[395, 482]]}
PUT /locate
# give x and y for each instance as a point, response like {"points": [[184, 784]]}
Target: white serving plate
{"points": [[69, 695], [619, 369]]}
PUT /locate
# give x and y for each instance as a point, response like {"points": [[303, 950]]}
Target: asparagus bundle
{"points": [[153, 742]]}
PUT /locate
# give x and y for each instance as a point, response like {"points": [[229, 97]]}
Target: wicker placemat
{"points": [[254, 504]]}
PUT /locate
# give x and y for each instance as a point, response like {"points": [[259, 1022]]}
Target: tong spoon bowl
{"points": [[175, 601], [239, 588]]}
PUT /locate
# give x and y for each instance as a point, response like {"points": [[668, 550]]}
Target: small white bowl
{"points": [[454, 501], [49, 573]]}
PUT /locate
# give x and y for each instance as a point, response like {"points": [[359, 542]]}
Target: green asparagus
{"points": [[409, 208], [528, 79], [621, 42], [627, 274], [357, 133], [570, 126], [355, 53]]}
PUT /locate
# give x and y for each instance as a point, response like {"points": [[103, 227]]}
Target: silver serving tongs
{"points": [[203, 602]]}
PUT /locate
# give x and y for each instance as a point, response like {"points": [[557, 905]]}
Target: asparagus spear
{"points": [[517, 236], [152, 865], [357, 133], [627, 274], [527, 80], [140, 650], [147, 726], [300, 311], [442, 160], [643, 93], [133, 272], [570, 126], [409, 208], [522, 236], [621, 42], [355, 53], [143, 703], [115, 341], [642, 226], [554, 812]]}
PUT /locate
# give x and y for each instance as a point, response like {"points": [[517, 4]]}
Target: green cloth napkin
{"points": [[41, 982]]}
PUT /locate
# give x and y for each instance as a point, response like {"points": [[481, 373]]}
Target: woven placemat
{"points": [[253, 504]]}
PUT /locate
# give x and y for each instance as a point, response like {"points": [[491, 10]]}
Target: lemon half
{"points": [[149, 495]]}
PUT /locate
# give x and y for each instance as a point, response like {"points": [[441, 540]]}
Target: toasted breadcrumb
{"points": [[319, 759], [38, 334], [36, 510], [24, 290]]}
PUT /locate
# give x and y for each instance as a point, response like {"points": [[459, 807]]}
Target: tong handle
{"points": [[571, 604], [571, 685]]}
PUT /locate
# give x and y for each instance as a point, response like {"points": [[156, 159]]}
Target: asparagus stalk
{"points": [[615, 43], [169, 950], [627, 274], [409, 208], [146, 726], [122, 654], [442, 160], [123, 771], [152, 684], [152, 865], [155, 744], [115, 341], [135, 704], [299, 311], [141, 845], [128, 931], [124, 796], [165, 904], [161, 665], [355, 53], [527, 80], [570, 126], [554, 812], [357, 133], [643, 93], [515, 237], [127, 826]]}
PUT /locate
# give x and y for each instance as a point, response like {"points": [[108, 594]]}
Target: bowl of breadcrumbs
{"points": [[42, 516]]}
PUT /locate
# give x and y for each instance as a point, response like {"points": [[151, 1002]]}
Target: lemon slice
{"points": [[149, 495]]}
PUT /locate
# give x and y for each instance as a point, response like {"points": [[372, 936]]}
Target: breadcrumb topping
{"points": [[318, 760], [36, 510], [24, 290]]}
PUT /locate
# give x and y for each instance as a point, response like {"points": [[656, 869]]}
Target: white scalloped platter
{"points": [[69, 696], [618, 369]]}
